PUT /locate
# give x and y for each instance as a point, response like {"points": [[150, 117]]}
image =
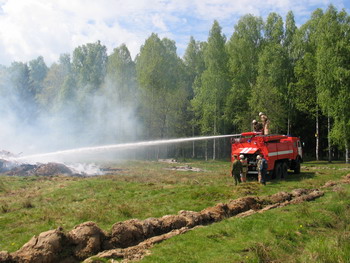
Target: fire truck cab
{"points": [[282, 152]]}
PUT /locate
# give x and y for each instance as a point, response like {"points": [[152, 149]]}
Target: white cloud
{"points": [[47, 27], [158, 22]]}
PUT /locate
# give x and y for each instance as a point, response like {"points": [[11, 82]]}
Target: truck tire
{"points": [[277, 174], [297, 166], [284, 170]]}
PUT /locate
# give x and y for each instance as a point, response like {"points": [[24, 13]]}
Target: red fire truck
{"points": [[282, 152]]}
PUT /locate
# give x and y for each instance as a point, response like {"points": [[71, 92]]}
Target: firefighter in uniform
{"points": [[236, 169], [244, 168], [258, 164], [257, 126], [262, 169], [265, 122]]}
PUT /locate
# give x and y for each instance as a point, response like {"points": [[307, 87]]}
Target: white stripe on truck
{"points": [[280, 153], [248, 150]]}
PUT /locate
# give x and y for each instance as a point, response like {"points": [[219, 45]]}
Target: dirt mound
{"points": [[195, 218], [243, 204], [215, 213], [299, 192], [308, 197], [135, 252], [132, 232], [346, 179], [131, 239], [335, 184], [5, 257], [127, 233], [47, 247], [87, 239], [280, 197], [329, 184]]}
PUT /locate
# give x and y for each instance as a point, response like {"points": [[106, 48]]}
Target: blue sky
{"points": [[49, 28]]}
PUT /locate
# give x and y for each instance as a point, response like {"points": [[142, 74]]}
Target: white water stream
{"points": [[112, 147]]}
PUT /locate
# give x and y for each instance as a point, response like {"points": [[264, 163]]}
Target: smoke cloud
{"points": [[92, 118]]}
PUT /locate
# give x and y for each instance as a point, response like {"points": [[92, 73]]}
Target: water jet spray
{"points": [[121, 146]]}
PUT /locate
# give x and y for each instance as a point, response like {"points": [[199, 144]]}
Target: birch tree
{"points": [[210, 96]]}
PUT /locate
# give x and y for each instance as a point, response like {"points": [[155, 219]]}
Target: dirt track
{"points": [[130, 240]]}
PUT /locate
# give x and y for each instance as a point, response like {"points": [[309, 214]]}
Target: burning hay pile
{"points": [[24, 169], [11, 164], [49, 169]]}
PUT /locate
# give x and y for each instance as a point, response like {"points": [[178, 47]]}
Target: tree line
{"points": [[298, 76]]}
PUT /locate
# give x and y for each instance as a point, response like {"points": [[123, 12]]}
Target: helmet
{"points": [[258, 157], [254, 121], [261, 113], [241, 156]]}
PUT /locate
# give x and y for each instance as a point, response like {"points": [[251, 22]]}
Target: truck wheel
{"points": [[297, 166], [284, 170], [278, 171]]}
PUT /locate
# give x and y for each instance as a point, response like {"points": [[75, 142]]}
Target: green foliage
{"points": [[270, 94], [194, 62], [58, 86], [89, 64], [243, 50], [333, 71], [210, 95], [38, 71], [121, 74], [21, 95], [164, 93], [289, 32], [273, 29]]}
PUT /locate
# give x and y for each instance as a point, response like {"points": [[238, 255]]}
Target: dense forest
{"points": [[298, 76]]}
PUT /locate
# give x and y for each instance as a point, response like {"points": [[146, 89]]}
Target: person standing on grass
{"points": [[262, 169], [258, 164], [236, 169], [244, 163]]}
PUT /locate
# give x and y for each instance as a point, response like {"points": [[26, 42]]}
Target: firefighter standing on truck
{"points": [[236, 169], [265, 122], [257, 126]]}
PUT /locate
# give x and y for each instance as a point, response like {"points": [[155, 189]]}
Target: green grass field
{"points": [[317, 231]]}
